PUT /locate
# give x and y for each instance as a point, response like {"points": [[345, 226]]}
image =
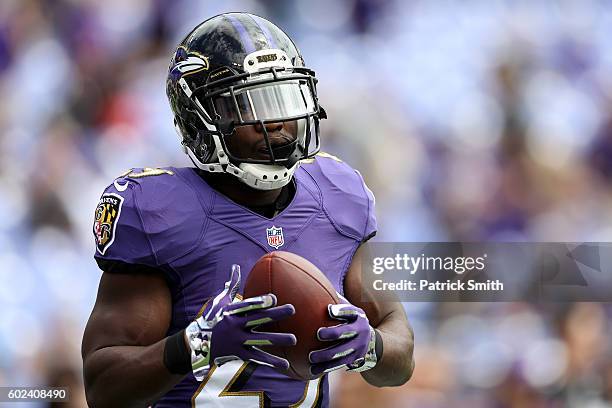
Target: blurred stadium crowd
{"points": [[483, 120]]}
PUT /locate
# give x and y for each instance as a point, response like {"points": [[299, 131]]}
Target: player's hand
{"points": [[356, 341], [227, 330]]}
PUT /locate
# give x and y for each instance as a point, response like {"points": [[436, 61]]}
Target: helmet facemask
{"points": [[270, 93]]}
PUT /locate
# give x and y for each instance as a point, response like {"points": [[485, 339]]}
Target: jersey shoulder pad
{"points": [[146, 216], [347, 200]]}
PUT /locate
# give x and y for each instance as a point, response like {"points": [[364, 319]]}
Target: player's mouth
{"points": [[282, 146]]}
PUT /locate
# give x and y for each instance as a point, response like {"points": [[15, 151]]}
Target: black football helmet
{"points": [[239, 69]]}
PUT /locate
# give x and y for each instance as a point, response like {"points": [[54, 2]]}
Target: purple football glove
{"points": [[227, 330], [356, 341]]}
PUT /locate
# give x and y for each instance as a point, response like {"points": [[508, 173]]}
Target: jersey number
{"points": [[222, 388]]}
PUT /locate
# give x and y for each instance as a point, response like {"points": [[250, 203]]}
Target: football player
{"points": [[169, 327]]}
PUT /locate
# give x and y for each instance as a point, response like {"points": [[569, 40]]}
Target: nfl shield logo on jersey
{"points": [[275, 237]]}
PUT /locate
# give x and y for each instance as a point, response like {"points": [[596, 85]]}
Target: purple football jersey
{"points": [[172, 220]]}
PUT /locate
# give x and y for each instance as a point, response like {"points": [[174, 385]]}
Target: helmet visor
{"points": [[280, 100]]}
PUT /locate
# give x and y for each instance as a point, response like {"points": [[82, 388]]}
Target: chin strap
{"points": [[257, 176]]}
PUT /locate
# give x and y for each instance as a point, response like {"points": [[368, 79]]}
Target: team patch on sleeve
{"points": [[106, 217]]}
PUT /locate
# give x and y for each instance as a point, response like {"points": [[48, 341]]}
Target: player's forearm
{"points": [[397, 363], [127, 376]]}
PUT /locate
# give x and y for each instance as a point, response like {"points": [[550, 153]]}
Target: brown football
{"points": [[294, 280]]}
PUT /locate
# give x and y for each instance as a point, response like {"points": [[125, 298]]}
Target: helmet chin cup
{"points": [[257, 176], [266, 176]]}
